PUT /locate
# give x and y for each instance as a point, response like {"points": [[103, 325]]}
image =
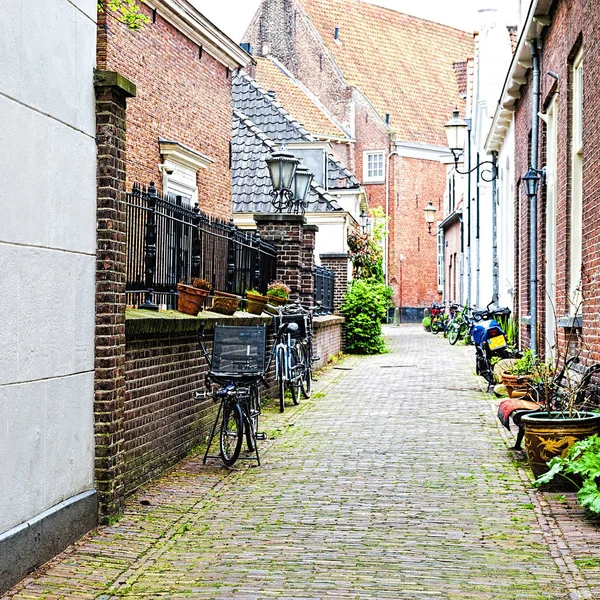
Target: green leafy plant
{"points": [[125, 11], [583, 461], [511, 329], [426, 322], [365, 307], [524, 365], [279, 289]]}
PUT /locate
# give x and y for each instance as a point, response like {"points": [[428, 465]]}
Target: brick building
{"points": [[559, 40], [179, 123], [388, 81]]}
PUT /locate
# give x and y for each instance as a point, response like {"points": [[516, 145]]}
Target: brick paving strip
{"points": [[392, 482]]}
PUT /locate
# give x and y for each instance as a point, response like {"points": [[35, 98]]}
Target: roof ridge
{"points": [[293, 122]]}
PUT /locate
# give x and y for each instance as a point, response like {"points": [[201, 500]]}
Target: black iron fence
{"points": [[324, 281], [168, 241]]}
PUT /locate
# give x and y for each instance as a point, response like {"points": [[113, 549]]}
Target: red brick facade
{"points": [[184, 95], [574, 25]]}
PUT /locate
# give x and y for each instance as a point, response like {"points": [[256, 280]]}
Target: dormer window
{"points": [[374, 166]]}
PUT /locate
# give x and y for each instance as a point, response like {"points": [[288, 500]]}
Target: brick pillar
{"points": [[111, 92], [339, 264], [295, 243]]}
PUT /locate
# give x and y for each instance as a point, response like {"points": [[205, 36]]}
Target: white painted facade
{"points": [[47, 254]]}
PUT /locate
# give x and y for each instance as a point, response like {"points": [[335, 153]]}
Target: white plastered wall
{"points": [[47, 254]]}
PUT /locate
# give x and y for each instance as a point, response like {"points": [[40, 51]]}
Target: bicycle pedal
{"points": [[261, 436]]}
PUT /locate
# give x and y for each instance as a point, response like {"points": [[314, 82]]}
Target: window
{"points": [[576, 243], [374, 167], [180, 168]]}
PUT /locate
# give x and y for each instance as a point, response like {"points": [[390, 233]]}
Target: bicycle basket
{"points": [[239, 350], [300, 320]]}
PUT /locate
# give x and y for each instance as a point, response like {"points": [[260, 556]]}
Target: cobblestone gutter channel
{"points": [[392, 482]]}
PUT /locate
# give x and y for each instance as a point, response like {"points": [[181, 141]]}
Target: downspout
{"points": [[535, 107], [477, 244], [468, 211], [387, 214], [495, 266]]}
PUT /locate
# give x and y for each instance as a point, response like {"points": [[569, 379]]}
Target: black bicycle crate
{"points": [[239, 350], [300, 320]]}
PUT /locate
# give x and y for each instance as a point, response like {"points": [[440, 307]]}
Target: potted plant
{"points": [[225, 303], [190, 298], [278, 292], [256, 302], [568, 401], [581, 467], [516, 379]]}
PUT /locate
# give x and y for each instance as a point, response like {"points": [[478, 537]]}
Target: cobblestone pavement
{"points": [[394, 481]]}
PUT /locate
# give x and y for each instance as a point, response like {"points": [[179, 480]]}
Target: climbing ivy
{"points": [[125, 11]]}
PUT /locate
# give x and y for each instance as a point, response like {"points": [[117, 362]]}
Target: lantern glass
{"points": [[456, 129], [302, 183], [363, 218], [429, 211], [282, 168], [531, 181]]}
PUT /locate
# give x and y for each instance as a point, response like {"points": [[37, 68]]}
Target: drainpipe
{"points": [[386, 243], [535, 107], [495, 274], [477, 245], [468, 211]]}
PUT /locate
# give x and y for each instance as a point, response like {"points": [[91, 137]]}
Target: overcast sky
{"points": [[233, 16]]}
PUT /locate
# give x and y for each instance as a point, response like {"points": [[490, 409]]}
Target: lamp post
{"points": [[363, 220], [430, 211], [456, 133], [291, 182]]}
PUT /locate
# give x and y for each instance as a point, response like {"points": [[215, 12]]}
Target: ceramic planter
{"points": [[256, 303], [547, 436], [225, 304], [190, 299], [276, 300], [514, 389]]}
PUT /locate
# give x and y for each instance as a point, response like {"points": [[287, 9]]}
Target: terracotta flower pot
{"points": [[547, 436], [276, 300], [256, 303], [514, 389], [190, 299], [225, 304]]}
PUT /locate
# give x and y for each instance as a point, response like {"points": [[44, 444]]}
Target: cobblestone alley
{"points": [[394, 481]]}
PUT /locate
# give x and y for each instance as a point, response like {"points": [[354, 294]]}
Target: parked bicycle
{"points": [[236, 372], [438, 316]]}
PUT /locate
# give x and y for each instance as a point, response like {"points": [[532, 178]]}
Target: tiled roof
{"points": [[251, 181], [296, 99], [460, 68], [403, 64], [277, 126]]}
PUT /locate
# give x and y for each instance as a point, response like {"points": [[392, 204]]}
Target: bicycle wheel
{"points": [[254, 404], [232, 433], [306, 384], [453, 333], [280, 376], [294, 374]]}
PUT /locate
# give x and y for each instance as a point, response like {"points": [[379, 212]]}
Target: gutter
{"points": [[452, 218]]}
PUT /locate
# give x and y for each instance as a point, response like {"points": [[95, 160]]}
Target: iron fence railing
{"points": [[324, 282], [168, 241]]}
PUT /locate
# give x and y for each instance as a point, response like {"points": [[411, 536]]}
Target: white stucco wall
{"points": [[47, 254]]}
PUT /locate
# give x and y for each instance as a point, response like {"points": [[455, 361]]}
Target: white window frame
{"points": [[373, 178], [576, 236], [180, 169]]}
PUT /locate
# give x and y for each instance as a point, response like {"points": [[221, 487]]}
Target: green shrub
{"points": [[426, 322], [365, 307]]}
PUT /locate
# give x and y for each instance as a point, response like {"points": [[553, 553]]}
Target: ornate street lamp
{"points": [[531, 181], [291, 182], [430, 211], [456, 132], [363, 220]]}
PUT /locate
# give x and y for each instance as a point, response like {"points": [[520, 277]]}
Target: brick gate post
{"points": [[339, 264], [112, 90], [295, 243]]}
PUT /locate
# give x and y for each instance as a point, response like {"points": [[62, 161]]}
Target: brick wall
{"points": [[339, 264], [568, 32], [182, 96], [164, 367]]}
